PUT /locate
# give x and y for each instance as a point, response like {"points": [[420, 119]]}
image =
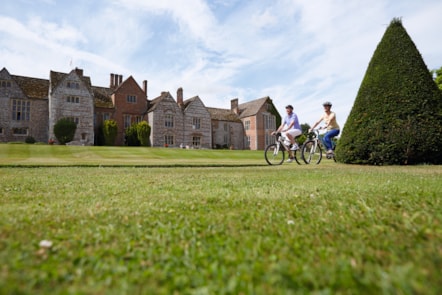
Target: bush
{"points": [[397, 115], [64, 130], [131, 136], [143, 133], [30, 140], [110, 130]]}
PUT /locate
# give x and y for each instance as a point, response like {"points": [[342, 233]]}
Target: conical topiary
{"points": [[397, 115]]}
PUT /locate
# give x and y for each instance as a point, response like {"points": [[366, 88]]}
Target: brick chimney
{"points": [[145, 87], [112, 81], [79, 72], [234, 106], [179, 96]]}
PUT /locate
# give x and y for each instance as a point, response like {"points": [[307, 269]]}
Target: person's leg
{"points": [[292, 134], [326, 139]]}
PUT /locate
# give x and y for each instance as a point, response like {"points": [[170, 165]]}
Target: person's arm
{"points": [[314, 125], [279, 129]]}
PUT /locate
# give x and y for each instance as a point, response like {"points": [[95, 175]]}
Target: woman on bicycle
{"points": [[331, 125], [292, 127]]}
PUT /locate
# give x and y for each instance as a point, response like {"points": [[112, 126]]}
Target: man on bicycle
{"points": [[331, 125], [292, 129]]}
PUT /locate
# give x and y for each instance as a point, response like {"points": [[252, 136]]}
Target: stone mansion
{"points": [[32, 106]]}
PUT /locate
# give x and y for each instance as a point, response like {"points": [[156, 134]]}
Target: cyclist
{"points": [[331, 125], [292, 127]]}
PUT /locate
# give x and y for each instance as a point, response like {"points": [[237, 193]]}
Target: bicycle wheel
{"points": [[311, 152], [294, 156], [274, 154]]}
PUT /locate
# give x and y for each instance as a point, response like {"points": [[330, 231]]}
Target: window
{"points": [[138, 119], [1, 130], [196, 124], [248, 141], [127, 121], [269, 122], [131, 98], [247, 125], [226, 127], [4, 83], [20, 131], [226, 139], [21, 110], [106, 116], [196, 141], [73, 99], [168, 120], [74, 85], [168, 139]]}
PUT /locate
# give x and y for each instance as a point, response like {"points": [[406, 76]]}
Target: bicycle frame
{"points": [[275, 153]]}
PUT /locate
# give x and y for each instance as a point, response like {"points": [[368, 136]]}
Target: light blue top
{"points": [[292, 118]]}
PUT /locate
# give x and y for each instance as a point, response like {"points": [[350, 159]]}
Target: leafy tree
{"points": [[437, 74], [131, 136], [110, 130], [64, 130], [397, 114], [143, 133]]}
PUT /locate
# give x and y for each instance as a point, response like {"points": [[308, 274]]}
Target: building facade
{"points": [[30, 107]]}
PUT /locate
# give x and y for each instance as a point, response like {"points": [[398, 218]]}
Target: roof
{"points": [[251, 108], [154, 102], [57, 77], [223, 115], [33, 87], [102, 97]]}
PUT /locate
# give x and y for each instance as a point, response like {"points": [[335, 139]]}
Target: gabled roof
{"points": [[154, 102], [33, 87], [223, 115], [102, 97], [56, 78], [251, 108]]}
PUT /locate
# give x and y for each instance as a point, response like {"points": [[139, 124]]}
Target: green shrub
{"points": [[30, 140], [110, 130], [131, 136], [397, 115], [64, 130], [143, 133]]}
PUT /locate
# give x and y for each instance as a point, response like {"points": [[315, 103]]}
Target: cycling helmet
{"points": [[327, 103], [289, 106]]}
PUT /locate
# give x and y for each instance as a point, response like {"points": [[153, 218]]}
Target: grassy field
{"points": [[170, 221]]}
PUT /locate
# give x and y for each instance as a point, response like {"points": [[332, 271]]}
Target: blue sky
{"points": [[295, 51]]}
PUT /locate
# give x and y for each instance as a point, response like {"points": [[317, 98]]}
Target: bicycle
{"points": [[274, 153], [311, 150]]}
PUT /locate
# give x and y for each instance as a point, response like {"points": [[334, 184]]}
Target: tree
{"points": [[143, 133], [110, 130], [437, 74], [397, 114], [64, 130], [131, 136]]}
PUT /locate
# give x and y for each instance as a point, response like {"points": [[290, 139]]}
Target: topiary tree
{"points": [[397, 114], [143, 133], [64, 130], [110, 130]]}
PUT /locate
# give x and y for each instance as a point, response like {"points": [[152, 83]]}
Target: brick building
{"points": [[32, 106]]}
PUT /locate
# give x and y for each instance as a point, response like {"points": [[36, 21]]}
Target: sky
{"points": [[296, 52]]}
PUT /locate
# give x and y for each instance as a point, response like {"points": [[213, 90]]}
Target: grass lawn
{"points": [[170, 221]]}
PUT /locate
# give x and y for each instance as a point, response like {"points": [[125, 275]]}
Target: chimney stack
{"points": [[79, 72], [145, 87], [234, 106], [112, 80], [179, 96]]}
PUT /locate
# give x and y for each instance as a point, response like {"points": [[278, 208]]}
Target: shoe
{"points": [[294, 147], [289, 160], [330, 152]]}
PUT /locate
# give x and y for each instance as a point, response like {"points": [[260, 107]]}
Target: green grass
{"points": [[207, 229]]}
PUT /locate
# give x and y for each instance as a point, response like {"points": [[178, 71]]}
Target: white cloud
{"points": [[295, 51]]}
